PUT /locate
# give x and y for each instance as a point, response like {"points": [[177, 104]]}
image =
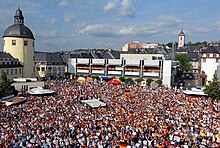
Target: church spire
{"points": [[18, 18]]}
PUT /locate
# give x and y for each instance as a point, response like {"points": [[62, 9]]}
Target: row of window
{"points": [[13, 43], [217, 60], [9, 63], [12, 71], [51, 69], [214, 55]]}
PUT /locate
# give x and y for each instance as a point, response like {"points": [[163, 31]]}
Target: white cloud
{"points": [[106, 30], [47, 34], [127, 8], [63, 3], [29, 4], [166, 21], [51, 20], [110, 5], [68, 17], [217, 25], [197, 29], [123, 7]]}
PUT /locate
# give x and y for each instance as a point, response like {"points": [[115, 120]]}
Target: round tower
{"points": [[18, 40], [181, 39]]}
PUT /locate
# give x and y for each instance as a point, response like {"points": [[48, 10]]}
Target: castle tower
{"points": [[18, 40], [181, 39]]}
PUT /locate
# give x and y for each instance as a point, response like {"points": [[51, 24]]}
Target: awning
{"points": [[93, 103], [106, 78]]}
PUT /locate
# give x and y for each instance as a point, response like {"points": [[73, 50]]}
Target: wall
{"points": [[10, 75], [25, 54], [209, 67]]}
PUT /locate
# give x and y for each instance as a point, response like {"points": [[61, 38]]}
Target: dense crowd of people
{"points": [[135, 117]]}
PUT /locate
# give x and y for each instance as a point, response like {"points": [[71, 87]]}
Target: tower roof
{"points": [[181, 32], [18, 29]]}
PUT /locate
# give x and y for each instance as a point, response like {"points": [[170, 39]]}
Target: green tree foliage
{"points": [[122, 79], [170, 44], [148, 81], [128, 80], [5, 86], [184, 61], [213, 89], [159, 82], [139, 80]]}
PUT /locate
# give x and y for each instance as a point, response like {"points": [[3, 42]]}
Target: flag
{"points": [[158, 134], [123, 109], [133, 99], [126, 92], [189, 100], [131, 113], [214, 111]]}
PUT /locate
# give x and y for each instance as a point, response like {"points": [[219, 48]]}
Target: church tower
{"points": [[181, 39], [18, 40]]}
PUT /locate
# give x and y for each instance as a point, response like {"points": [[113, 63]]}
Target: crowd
{"points": [[135, 117]]}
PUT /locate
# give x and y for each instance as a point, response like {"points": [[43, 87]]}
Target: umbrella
{"points": [[114, 82], [89, 79], [81, 79]]}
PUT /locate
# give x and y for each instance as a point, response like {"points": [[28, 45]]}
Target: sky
{"points": [[73, 24]]}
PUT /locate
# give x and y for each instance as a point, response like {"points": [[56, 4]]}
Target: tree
{"points": [[139, 80], [5, 86], [184, 61], [122, 79], [148, 81], [159, 82], [128, 80], [213, 89], [170, 44]]}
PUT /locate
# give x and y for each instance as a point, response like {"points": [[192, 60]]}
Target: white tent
{"points": [[93, 103], [40, 91], [195, 91]]}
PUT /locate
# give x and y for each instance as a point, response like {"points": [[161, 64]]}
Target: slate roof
{"points": [[194, 56], [87, 55], [18, 30], [52, 58], [65, 58], [5, 55], [212, 49], [76, 55]]}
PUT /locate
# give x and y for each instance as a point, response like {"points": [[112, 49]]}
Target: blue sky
{"points": [[71, 24]]}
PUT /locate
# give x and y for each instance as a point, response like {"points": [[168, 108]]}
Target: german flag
{"points": [[123, 144], [189, 100], [133, 99], [214, 111], [130, 113], [126, 92], [158, 134], [123, 109], [139, 128]]}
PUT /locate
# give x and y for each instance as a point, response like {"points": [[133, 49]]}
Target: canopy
{"points": [[81, 79], [40, 91], [114, 82], [93, 103], [198, 90], [106, 78], [89, 79]]}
